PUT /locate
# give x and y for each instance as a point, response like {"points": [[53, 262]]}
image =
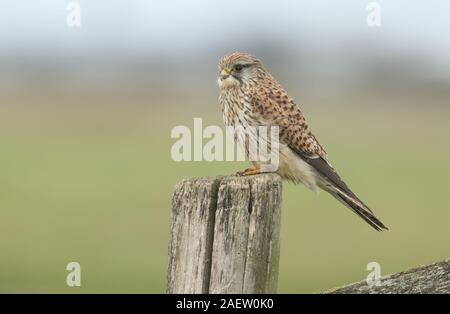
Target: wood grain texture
{"points": [[191, 235], [434, 278], [225, 235]]}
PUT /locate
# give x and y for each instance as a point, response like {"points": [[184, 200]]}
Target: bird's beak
{"points": [[225, 73]]}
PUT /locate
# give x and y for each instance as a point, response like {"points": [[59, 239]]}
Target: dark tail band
{"points": [[361, 210]]}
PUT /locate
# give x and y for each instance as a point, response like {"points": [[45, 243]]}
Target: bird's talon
{"points": [[249, 172]]}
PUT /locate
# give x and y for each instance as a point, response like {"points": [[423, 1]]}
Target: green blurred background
{"points": [[86, 114]]}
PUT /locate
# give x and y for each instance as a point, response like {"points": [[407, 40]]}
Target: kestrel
{"points": [[250, 96]]}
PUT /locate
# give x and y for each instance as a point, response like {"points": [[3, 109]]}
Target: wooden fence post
{"points": [[225, 235]]}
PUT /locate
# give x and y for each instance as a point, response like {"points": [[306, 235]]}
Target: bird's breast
{"points": [[237, 110]]}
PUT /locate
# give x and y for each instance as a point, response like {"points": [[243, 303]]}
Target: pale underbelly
{"points": [[292, 167]]}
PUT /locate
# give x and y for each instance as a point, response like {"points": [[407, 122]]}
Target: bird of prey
{"points": [[250, 96]]}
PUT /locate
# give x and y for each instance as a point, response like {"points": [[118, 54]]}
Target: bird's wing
{"points": [[277, 108]]}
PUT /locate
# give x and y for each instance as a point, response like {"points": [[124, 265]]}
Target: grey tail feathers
{"points": [[330, 181], [359, 208]]}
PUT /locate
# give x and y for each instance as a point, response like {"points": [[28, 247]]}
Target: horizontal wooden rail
{"points": [[433, 278]]}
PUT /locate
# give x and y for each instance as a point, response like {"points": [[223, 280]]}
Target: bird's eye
{"points": [[238, 67]]}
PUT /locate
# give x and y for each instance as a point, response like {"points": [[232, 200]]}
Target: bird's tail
{"points": [[358, 207]]}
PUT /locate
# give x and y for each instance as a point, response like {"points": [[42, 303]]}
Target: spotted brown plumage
{"points": [[251, 97]]}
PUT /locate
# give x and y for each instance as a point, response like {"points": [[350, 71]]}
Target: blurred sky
{"points": [[161, 42], [179, 27]]}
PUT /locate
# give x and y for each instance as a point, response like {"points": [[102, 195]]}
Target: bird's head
{"points": [[237, 68]]}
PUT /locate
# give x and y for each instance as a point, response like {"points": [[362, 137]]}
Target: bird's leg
{"points": [[250, 171]]}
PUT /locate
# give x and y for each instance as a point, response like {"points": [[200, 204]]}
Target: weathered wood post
{"points": [[225, 235]]}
